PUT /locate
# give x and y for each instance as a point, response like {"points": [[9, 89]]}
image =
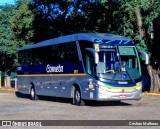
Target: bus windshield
{"points": [[121, 64]]}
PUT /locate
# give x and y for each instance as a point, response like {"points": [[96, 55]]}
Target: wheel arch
{"points": [[31, 84], [76, 85]]}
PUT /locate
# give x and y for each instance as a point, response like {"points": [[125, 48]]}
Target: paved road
{"points": [[20, 107]]}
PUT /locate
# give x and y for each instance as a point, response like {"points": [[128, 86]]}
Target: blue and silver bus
{"points": [[82, 66]]}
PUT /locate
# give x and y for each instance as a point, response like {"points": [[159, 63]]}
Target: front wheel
{"points": [[33, 94], [77, 97]]}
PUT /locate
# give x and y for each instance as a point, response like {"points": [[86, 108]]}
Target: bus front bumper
{"points": [[111, 96]]}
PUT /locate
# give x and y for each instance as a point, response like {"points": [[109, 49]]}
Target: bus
{"points": [[83, 67]]}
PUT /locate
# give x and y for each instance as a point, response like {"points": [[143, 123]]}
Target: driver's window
{"points": [[90, 65]]}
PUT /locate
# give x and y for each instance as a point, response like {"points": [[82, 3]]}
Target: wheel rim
{"points": [[77, 96], [32, 93]]}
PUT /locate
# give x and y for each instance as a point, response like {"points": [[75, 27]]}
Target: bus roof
{"points": [[93, 37]]}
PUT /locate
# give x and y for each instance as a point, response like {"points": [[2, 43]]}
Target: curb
{"points": [[8, 89], [151, 94]]}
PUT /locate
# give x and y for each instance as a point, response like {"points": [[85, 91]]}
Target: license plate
{"points": [[123, 95]]}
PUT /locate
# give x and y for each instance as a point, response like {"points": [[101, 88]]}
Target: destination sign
{"points": [[106, 47]]}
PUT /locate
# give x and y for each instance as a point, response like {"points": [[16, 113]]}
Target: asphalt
{"points": [[14, 90]]}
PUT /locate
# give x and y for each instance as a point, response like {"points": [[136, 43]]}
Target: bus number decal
{"points": [[75, 71]]}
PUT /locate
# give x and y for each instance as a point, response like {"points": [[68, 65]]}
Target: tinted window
{"points": [[83, 45], [66, 52], [89, 66]]}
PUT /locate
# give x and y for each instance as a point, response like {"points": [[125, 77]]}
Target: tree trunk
{"points": [[149, 68], [139, 22], [8, 81], [157, 80], [154, 79]]}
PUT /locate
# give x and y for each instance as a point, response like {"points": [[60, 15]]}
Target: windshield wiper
{"points": [[130, 76], [114, 75], [120, 72]]}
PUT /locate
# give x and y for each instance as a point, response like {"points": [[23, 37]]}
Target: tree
{"points": [[15, 31], [7, 48], [22, 23], [68, 16]]}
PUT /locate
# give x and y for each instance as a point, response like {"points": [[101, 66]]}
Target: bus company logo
{"points": [[122, 82], [54, 69]]}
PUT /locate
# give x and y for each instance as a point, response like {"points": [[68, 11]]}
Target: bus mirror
{"points": [[96, 57], [145, 55]]}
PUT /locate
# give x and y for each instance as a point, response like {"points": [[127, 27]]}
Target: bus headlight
{"points": [[139, 85]]}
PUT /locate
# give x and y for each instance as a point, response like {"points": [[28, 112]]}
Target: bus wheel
{"points": [[32, 94], [77, 97]]}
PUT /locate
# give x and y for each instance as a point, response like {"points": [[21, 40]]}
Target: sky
{"points": [[2, 2]]}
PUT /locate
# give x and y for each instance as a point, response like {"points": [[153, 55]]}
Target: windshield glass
{"points": [[121, 64]]}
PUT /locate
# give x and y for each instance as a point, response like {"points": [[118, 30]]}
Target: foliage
{"points": [[21, 23], [135, 23], [15, 31], [7, 49], [6, 34], [68, 16]]}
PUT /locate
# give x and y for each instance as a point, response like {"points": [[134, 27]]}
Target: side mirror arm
{"points": [[146, 56], [94, 52]]}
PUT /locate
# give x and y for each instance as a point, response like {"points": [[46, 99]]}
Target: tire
{"points": [[77, 100], [33, 95]]}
